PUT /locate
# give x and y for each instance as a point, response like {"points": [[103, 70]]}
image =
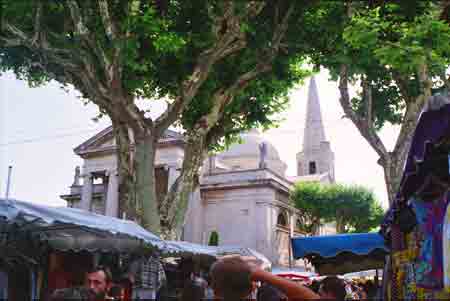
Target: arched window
{"points": [[282, 220], [312, 167]]}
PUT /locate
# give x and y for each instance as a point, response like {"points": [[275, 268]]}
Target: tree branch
{"points": [[412, 112], [37, 22], [402, 84], [368, 102], [77, 18], [108, 23], [367, 132], [282, 28], [228, 42]]}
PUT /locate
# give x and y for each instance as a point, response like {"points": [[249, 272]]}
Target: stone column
{"points": [[112, 195], [291, 234], [291, 224], [86, 192]]}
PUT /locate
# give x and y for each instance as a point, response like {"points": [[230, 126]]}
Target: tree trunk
{"points": [[125, 167], [145, 184], [174, 208], [393, 170], [340, 225], [137, 197]]}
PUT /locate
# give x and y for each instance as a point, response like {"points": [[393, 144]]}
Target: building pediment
{"points": [[104, 142]]}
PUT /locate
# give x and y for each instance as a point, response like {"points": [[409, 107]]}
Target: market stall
{"points": [[182, 256], [60, 244], [417, 224], [184, 248], [342, 253], [295, 274]]}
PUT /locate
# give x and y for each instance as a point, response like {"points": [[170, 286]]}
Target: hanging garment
{"points": [[429, 266], [446, 249]]}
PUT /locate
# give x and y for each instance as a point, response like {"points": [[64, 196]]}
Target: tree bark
{"points": [[145, 185], [174, 207], [125, 168], [136, 155]]}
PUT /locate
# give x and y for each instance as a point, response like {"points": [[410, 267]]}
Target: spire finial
{"points": [[314, 132]]}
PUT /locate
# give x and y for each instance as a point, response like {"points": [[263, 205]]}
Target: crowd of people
{"points": [[231, 278]]}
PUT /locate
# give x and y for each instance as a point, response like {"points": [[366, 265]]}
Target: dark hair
{"points": [[192, 291], [335, 286], [232, 278], [269, 293], [104, 269]]}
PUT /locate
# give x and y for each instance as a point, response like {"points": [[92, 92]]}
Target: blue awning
{"points": [[332, 245], [74, 229], [342, 253]]}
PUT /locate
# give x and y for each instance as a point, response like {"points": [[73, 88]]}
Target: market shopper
{"points": [[147, 277], [192, 291], [232, 279], [332, 288], [99, 281]]}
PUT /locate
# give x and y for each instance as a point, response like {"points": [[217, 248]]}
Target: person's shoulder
{"points": [[80, 293]]}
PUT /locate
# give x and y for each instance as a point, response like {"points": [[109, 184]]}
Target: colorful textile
{"points": [[446, 249], [429, 266]]}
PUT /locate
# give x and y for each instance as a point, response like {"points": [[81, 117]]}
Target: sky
{"points": [[40, 127]]}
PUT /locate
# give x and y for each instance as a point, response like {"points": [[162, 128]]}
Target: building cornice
{"points": [[257, 183], [88, 149]]}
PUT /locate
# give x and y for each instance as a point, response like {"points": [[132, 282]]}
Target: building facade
{"points": [[243, 194]]}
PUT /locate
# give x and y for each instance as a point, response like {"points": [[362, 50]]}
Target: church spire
{"points": [[314, 132], [316, 157]]}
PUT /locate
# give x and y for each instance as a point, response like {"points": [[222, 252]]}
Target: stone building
{"points": [[243, 194]]}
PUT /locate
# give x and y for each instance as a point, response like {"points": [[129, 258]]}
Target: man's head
{"points": [[332, 288], [231, 278], [98, 280]]}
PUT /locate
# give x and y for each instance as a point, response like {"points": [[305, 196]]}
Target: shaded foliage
{"points": [[353, 208]]}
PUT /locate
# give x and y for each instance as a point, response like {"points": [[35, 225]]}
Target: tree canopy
{"points": [[353, 208], [398, 54], [222, 66]]}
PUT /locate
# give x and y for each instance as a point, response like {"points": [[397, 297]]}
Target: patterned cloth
{"points": [[446, 249], [429, 266], [148, 274]]}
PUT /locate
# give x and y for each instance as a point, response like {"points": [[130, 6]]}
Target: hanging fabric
{"points": [[429, 266]]}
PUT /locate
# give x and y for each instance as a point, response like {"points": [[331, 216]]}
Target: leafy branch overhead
{"points": [[398, 54], [223, 66]]}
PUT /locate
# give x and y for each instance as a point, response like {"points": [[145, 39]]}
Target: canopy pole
{"points": [[376, 278], [8, 183]]}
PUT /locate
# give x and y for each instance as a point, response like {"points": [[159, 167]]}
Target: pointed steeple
{"points": [[314, 132], [316, 157]]}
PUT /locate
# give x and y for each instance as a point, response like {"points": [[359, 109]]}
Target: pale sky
{"points": [[40, 127]]}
